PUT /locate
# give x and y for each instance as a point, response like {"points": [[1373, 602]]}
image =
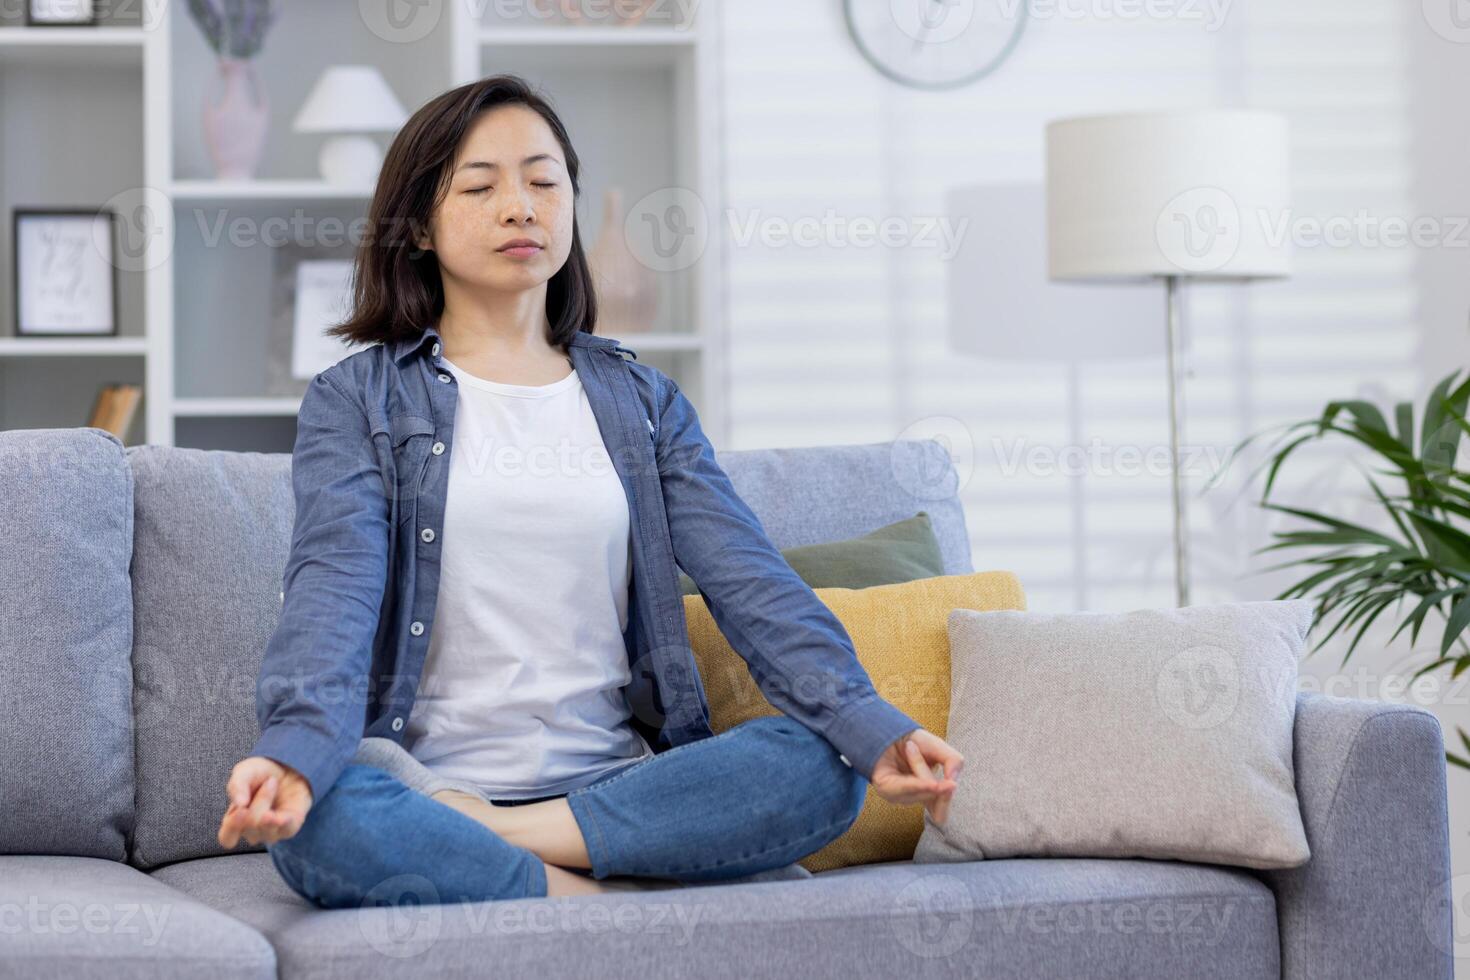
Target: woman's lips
{"points": [[521, 251]]}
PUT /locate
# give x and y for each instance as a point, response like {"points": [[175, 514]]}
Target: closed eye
{"points": [[482, 190]]}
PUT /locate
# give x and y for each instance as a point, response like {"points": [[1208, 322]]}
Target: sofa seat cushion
{"points": [[1018, 918], [72, 918]]}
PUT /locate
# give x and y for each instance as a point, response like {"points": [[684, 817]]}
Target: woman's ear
{"points": [[421, 238]]}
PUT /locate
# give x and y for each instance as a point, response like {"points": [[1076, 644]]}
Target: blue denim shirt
{"points": [[369, 472]]}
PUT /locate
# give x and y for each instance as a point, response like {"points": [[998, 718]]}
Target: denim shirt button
{"points": [[844, 761], [445, 378], [398, 724], [427, 534], [434, 350], [438, 449], [417, 628]]}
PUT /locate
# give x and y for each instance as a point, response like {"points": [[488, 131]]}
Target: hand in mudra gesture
{"points": [[268, 802], [903, 773]]}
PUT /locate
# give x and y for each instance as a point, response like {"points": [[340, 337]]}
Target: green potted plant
{"points": [[1355, 572]]}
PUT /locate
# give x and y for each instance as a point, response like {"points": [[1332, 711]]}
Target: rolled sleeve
{"points": [[797, 649], [312, 692]]}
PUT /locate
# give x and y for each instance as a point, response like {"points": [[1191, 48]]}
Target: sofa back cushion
{"points": [[816, 494], [66, 528], [212, 535]]}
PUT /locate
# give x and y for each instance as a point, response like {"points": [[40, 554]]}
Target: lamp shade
{"points": [[350, 99], [1184, 193]]}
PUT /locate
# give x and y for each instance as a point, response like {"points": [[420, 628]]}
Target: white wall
{"points": [[1440, 124], [845, 343]]}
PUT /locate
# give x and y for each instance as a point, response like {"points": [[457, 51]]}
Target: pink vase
{"points": [[627, 290], [235, 118]]}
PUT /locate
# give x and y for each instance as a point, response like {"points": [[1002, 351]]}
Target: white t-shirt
{"points": [[520, 693]]}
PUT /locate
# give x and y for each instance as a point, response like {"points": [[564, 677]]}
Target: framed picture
{"points": [[61, 13], [65, 272], [312, 290]]}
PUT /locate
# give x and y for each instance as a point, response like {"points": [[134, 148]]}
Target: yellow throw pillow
{"points": [[901, 635]]}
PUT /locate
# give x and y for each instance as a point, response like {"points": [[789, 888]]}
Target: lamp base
{"points": [[351, 161]]}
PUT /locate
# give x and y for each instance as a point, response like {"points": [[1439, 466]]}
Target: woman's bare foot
{"points": [[560, 881], [550, 831], [546, 829]]}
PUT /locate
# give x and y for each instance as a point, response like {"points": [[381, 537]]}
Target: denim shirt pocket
{"points": [[411, 437]]}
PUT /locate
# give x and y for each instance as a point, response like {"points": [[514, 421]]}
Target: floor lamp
{"points": [[1188, 194], [1003, 311]]}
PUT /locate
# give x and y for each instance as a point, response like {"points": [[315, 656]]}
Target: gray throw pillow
{"points": [[1155, 733]]}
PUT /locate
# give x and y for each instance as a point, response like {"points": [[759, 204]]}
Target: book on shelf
{"points": [[115, 407]]}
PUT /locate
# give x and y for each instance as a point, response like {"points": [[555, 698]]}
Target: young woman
{"points": [[481, 680]]}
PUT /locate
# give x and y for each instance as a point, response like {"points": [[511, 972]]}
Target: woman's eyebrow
{"points": [[491, 165]]}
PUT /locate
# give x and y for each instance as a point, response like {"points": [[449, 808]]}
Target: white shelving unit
{"points": [[196, 314]]}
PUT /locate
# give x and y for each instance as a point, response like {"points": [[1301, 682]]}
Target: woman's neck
{"points": [[502, 340]]}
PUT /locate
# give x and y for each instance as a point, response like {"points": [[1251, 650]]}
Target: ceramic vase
{"points": [[627, 290], [235, 117]]}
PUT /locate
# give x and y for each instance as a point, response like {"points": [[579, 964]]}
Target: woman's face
{"points": [[508, 182]]}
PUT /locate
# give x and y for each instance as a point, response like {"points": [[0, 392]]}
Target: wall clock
{"points": [[935, 44]]}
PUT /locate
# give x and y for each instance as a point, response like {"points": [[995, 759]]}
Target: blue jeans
{"points": [[755, 797]]}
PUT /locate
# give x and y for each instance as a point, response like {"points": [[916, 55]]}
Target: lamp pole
{"points": [[1176, 428]]}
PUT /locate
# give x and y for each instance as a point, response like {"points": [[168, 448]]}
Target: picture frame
{"points": [[61, 13], [65, 271], [310, 289]]}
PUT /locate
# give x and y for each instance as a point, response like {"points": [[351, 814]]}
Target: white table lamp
{"points": [[1168, 195], [350, 99]]}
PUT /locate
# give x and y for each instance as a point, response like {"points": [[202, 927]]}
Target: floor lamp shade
{"points": [[1200, 193]]}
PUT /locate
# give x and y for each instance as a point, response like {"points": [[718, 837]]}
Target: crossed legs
{"points": [[758, 796]]}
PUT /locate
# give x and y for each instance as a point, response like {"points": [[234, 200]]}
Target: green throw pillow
{"points": [[900, 552]]}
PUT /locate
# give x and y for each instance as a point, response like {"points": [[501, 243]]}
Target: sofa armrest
{"points": [[1374, 900]]}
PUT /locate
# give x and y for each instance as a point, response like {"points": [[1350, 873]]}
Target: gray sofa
{"points": [[139, 588]]}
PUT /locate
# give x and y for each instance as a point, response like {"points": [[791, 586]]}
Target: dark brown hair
{"points": [[396, 289]]}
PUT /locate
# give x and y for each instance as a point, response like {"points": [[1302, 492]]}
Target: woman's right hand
{"points": [[268, 802]]}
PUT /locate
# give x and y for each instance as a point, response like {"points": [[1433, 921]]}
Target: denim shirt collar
{"points": [[404, 347]]}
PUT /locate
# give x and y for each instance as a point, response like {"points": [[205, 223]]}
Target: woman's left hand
{"points": [[903, 774]]}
